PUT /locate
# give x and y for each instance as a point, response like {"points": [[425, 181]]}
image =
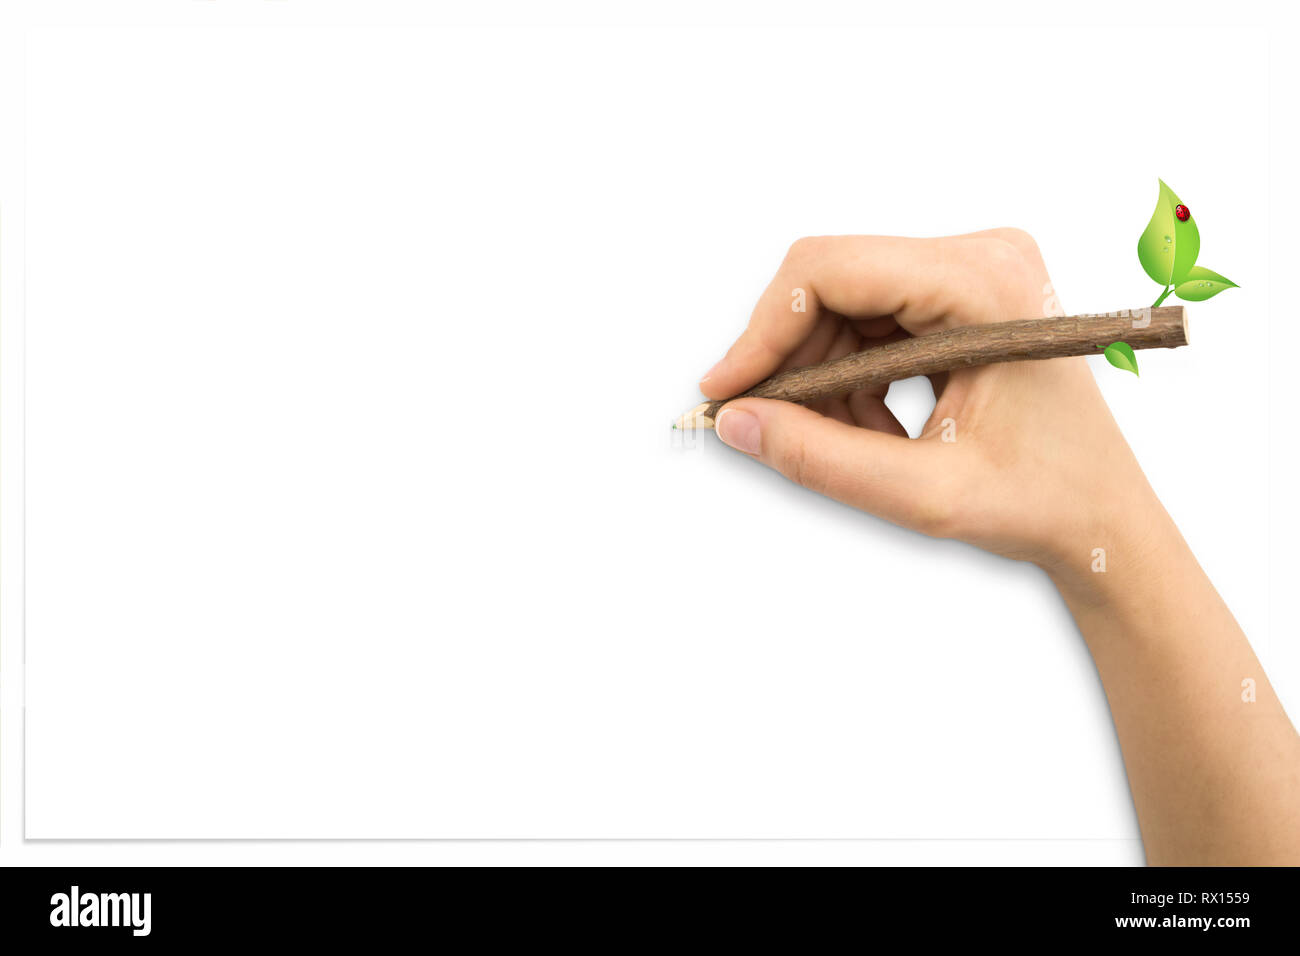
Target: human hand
{"points": [[1033, 463], [1038, 471]]}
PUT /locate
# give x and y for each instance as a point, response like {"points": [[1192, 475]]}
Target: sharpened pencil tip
{"points": [[695, 418]]}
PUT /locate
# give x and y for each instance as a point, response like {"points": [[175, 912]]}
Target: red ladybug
{"points": [[1182, 212]]}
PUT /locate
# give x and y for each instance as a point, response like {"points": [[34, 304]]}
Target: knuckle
{"points": [[998, 253], [795, 463], [937, 510], [1009, 276], [805, 249], [936, 515], [1020, 240]]}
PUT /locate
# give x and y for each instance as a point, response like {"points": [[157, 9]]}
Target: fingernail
{"points": [[739, 429], [709, 374]]}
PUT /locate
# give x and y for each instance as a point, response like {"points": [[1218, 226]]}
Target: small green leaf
{"points": [[1168, 248], [1120, 355], [1201, 284]]}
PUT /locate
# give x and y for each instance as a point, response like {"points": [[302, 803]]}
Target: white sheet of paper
{"points": [[352, 509]]}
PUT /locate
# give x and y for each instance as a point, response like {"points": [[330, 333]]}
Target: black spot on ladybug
{"points": [[1182, 212]]}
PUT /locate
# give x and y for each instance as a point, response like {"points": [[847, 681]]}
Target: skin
{"points": [[1039, 472]]}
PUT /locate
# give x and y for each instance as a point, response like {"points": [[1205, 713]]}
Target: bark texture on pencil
{"points": [[1018, 341]]}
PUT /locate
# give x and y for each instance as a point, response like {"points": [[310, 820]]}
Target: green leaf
{"points": [[1168, 248], [1120, 355], [1201, 284]]}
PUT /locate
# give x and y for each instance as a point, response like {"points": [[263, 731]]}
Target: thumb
{"points": [[896, 478]]}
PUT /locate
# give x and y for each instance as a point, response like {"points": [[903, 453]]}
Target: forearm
{"points": [[1215, 778]]}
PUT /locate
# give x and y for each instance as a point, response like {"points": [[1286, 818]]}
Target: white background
{"points": [[326, 536]]}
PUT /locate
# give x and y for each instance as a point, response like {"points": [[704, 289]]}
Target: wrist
{"points": [[1116, 556]]}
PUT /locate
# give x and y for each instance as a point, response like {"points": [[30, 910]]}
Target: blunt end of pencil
{"points": [[695, 419]]}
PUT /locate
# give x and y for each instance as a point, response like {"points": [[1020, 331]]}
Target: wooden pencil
{"points": [[1017, 341]]}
